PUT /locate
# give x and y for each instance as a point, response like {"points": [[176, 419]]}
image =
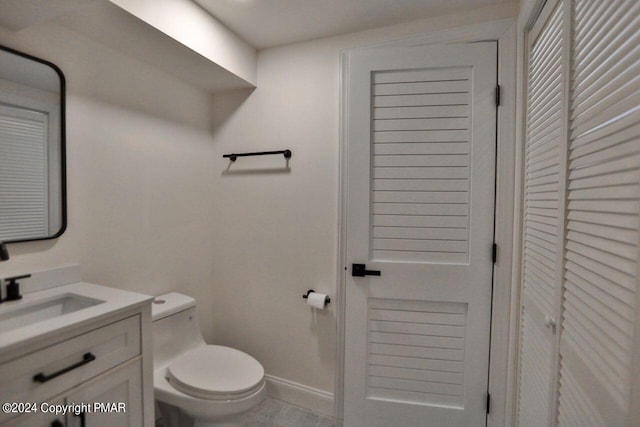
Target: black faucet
{"points": [[13, 288], [4, 252]]}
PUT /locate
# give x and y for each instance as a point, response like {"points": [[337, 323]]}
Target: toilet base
{"points": [[202, 423], [171, 416], [174, 417]]}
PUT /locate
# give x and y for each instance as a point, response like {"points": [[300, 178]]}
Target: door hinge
{"points": [[488, 403], [494, 253], [497, 95]]}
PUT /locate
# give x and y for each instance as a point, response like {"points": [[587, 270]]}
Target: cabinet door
{"points": [[39, 419], [106, 396]]}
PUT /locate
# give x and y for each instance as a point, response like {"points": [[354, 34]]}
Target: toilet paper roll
{"points": [[317, 300]]}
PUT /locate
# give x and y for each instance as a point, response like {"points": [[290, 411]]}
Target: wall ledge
{"points": [[174, 36]]}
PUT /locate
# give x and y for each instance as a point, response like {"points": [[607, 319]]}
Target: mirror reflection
{"points": [[32, 172]]}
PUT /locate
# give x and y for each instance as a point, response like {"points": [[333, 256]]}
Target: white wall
{"points": [[276, 233], [140, 162]]}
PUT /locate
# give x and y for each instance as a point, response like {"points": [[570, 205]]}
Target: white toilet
{"points": [[213, 384]]}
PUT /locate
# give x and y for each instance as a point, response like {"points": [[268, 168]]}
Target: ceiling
{"points": [[268, 23]]}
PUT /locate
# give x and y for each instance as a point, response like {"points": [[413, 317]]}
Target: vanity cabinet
{"points": [[122, 386], [103, 370], [118, 394], [39, 419]]}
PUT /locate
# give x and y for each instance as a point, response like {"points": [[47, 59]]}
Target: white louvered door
{"points": [[589, 373], [603, 212], [543, 216], [421, 166]]}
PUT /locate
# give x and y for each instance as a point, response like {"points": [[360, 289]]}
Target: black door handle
{"points": [[359, 270], [42, 378]]}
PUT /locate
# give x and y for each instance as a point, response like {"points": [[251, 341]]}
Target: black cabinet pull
{"points": [[57, 423], [359, 270], [83, 419], [42, 378]]}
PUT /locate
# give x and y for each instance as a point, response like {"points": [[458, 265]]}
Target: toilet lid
{"points": [[216, 372]]}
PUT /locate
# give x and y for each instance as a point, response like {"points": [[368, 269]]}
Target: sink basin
{"points": [[29, 313]]}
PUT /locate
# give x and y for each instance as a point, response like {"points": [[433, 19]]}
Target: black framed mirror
{"points": [[32, 148]]}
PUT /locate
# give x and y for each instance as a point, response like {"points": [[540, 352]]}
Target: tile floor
{"points": [[276, 413]]}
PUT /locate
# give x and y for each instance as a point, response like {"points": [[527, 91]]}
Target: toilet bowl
{"points": [[213, 384]]}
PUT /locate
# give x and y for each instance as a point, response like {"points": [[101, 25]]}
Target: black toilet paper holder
{"points": [[327, 300]]}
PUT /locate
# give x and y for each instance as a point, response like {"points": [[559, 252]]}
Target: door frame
{"points": [[505, 299]]}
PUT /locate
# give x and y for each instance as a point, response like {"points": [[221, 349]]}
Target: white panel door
{"points": [[421, 135]]}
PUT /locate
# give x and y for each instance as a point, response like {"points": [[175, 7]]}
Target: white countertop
{"points": [[115, 301]]}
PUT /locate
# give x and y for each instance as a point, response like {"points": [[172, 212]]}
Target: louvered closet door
{"points": [[603, 216], [421, 165], [543, 213]]}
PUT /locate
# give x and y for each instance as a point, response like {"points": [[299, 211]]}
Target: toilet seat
{"points": [[216, 372]]}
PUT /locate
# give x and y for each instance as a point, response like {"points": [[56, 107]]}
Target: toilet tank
{"points": [[175, 327]]}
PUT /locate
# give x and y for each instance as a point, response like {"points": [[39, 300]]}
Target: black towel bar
{"points": [[234, 156]]}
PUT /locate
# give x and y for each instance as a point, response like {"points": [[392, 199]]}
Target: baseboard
{"points": [[318, 401]]}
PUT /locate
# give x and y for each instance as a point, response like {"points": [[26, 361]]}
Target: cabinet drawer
{"points": [[69, 363]]}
